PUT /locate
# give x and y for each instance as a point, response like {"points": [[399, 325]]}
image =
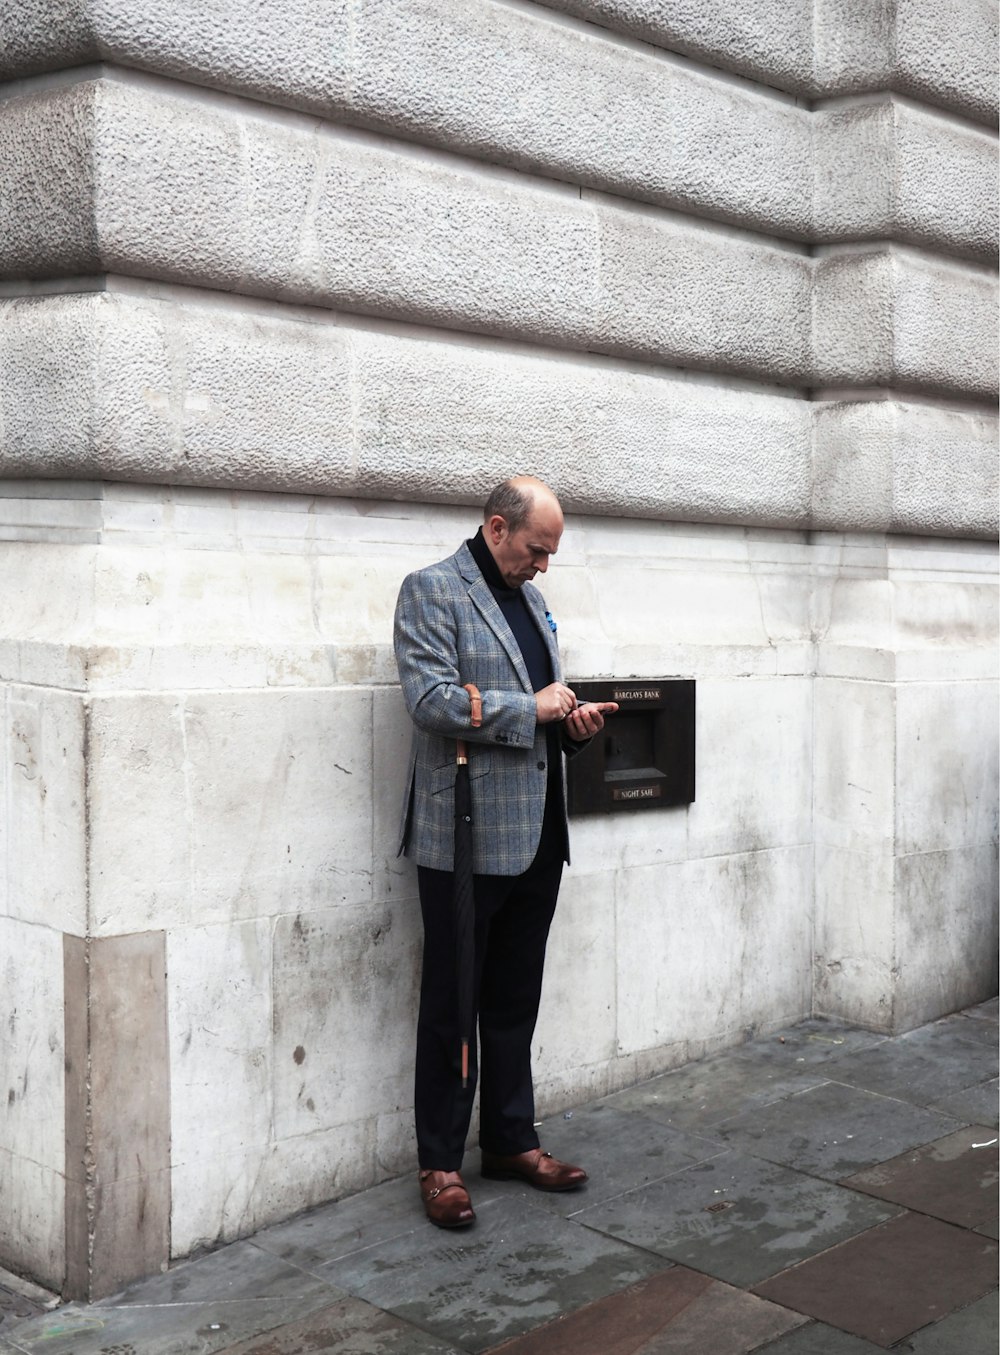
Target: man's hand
{"points": [[554, 702], [586, 720]]}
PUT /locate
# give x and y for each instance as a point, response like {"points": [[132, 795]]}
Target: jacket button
{"points": [[541, 766]]}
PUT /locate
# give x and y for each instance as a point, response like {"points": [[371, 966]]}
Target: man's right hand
{"points": [[554, 702]]}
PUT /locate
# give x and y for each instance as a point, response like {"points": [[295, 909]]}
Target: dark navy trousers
{"points": [[513, 916]]}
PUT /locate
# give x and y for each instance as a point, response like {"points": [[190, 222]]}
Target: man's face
{"points": [[523, 553]]}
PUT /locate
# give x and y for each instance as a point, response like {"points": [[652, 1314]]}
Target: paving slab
{"points": [[237, 1272], [816, 1338], [985, 1011], [972, 1025], [201, 1305], [785, 1116], [19, 1300], [737, 1217], [698, 1097], [619, 1151], [954, 1178], [971, 1331], [519, 1266], [811, 1044], [678, 1311], [834, 1130], [974, 1105], [348, 1326], [164, 1329], [923, 1066], [14, 1307], [890, 1281], [723, 1320], [618, 1324], [752, 1075], [311, 1240]]}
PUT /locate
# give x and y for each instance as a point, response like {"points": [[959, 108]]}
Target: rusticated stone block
{"points": [[893, 317], [152, 390]]}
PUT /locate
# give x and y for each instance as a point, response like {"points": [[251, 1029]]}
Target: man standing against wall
{"points": [[475, 618]]}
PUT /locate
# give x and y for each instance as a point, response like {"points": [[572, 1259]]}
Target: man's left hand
{"points": [[586, 720]]}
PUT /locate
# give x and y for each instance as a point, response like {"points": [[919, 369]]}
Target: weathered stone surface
{"points": [[905, 817], [42, 837], [403, 67], [117, 1173], [48, 195], [886, 170], [345, 983], [194, 192], [940, 964], [894, 466], [32, 1224], [730, 970], [947, 53], [221, 1099], [893, 317], [578, 1020], [203, 736], [192, 392], [236, 836], [946, 767], [941, 52], [32, 1148]]}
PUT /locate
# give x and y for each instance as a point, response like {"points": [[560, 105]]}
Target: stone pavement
{"points": [[823, 1191]]}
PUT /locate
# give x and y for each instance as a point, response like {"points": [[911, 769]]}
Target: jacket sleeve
{"points": [[429, 656]]}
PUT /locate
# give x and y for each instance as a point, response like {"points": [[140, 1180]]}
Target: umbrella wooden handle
{"points": [[476, 701], [476, 719]]}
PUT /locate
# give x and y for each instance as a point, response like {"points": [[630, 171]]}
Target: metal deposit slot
{"points": [[644, 759]]}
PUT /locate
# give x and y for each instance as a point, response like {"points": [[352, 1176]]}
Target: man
{"points": [[475, 618]]}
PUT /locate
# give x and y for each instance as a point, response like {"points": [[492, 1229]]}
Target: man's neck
{"points": [[488, 566]]}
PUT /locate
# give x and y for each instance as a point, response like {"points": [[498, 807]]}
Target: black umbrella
{"points": [[462, 887]]}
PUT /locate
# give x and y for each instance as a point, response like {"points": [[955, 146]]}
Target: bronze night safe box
{"points": [[643, 758]]}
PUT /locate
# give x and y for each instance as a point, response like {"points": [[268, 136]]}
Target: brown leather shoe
{"points": [[446, 1201], [539, 1169]]}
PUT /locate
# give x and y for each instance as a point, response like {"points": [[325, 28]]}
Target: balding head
{"points": [[522, 524], [514, 499]]}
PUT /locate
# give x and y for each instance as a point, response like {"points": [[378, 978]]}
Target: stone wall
{"points": [[279, 302]]}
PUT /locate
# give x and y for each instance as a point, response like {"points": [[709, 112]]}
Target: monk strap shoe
{"points": [[538, 1168], [446, 1201]]}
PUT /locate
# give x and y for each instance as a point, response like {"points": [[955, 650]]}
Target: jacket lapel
{"points": [[480, 595]]}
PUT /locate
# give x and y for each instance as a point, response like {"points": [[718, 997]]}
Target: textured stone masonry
{"points": [[127, 385], [281, 290]]}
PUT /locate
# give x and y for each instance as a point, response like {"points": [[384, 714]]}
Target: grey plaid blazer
{"points": [[448, 631]]}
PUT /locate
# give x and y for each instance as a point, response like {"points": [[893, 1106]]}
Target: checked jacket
{"points": [[449, 631]]}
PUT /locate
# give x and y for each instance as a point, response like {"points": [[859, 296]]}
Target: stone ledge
{"points": [[211, 592]]}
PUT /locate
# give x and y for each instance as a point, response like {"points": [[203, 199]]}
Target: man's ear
{"points": [[496, 529]]}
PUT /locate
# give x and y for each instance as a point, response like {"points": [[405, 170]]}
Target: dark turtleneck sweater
{"points": [[511, 602], [535, 654]]}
